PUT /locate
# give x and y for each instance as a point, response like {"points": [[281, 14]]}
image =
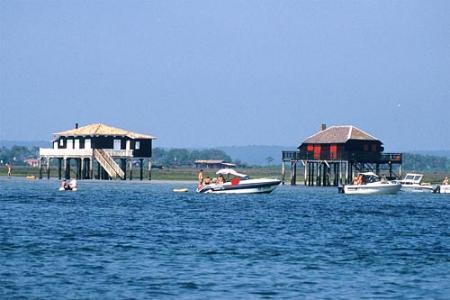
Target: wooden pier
{"points": [[335, 155]]}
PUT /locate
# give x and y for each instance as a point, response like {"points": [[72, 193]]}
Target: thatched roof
{"points": [[339, 135], [102, 129]]}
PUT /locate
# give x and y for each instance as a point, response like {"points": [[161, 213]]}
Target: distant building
{"points": [[212, 164], [333, 155], [32, 162], [108, 149]]}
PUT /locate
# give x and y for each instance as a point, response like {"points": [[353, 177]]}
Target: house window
{"points": [[374, 147], [366, 147], [117, 144], [137, 146], [316, 151], [333, 151], [309, 148], [61, 142]]}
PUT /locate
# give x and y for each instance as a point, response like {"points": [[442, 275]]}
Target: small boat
{"points": [[443, 189], [239, 184], [180, 190], [371, 185], [69, 186], [413, 183]]}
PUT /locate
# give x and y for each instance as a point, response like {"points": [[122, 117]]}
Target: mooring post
{"points": [[141, 165]]}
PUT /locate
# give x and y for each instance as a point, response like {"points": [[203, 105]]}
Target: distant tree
{"points": [[184, 157], [269, 159]]}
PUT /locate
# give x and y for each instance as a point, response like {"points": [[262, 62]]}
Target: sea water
{"points": [[141, 240]]}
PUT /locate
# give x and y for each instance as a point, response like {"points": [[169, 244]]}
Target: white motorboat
{"points": [[371, 184], [413, 183], [239, 184], [443, 189]]}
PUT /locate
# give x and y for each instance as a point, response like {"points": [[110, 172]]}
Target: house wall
{"points": [[107, 142], [352, 150]]}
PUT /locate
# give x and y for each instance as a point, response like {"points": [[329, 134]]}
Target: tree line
{"points": [[16, 155], [186, 157]]}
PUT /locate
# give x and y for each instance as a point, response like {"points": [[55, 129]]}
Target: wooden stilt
{"points": [[48, 168], [60, 168], [149, 169], [40, 168], [293, 172]]}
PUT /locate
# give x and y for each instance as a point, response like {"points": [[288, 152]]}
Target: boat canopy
{"points": [[369, 174], [229, 171]]}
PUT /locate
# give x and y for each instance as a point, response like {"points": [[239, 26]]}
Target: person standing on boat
{"points": [[200, 176], [445, 182]]}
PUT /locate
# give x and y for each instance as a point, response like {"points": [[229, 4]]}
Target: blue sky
{"points": [[210, 73]]}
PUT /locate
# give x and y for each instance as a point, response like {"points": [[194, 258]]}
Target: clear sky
{"points": [[222, 73]]}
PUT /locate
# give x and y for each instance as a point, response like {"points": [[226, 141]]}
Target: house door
{"points": [[117, 144], [69, 144], [77, 144], [128, 145], [87, 144]]}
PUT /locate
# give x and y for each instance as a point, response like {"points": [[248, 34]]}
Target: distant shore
{"points": [[190, 174]]}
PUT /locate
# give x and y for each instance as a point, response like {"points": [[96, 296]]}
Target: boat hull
{"points": [[372, 189], [444, 189], [251, 186], [417, 188]]}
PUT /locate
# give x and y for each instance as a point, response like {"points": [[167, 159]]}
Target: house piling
{"points": [[97, 147], [334, 155]]}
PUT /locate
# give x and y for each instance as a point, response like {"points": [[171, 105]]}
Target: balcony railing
{"points": [[367, 157], [64, 152], [50, 152]]}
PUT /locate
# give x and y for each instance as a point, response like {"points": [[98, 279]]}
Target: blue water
{"points": [[141, 240]]}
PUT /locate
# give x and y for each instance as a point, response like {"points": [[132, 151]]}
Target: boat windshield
{"points": [[228, 172]]}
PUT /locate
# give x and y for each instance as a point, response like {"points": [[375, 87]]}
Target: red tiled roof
{"points": [[339, 135]]}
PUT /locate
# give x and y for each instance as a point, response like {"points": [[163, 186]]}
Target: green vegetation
{"points": [[424, 163], [16, 155], [177, 164], [185, 157]]}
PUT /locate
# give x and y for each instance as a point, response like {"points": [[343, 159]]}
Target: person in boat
{"points": [[220, 179], [65, 185], [207, 180], [445, 182], [73, 184], [360, 180]]}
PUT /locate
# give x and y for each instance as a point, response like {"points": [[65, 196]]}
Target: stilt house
{"points": [[333, 155], [109, 150]]}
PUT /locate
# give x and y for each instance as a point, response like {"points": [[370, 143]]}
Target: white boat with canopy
{"points": [[238, 183], [371, 184]]}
